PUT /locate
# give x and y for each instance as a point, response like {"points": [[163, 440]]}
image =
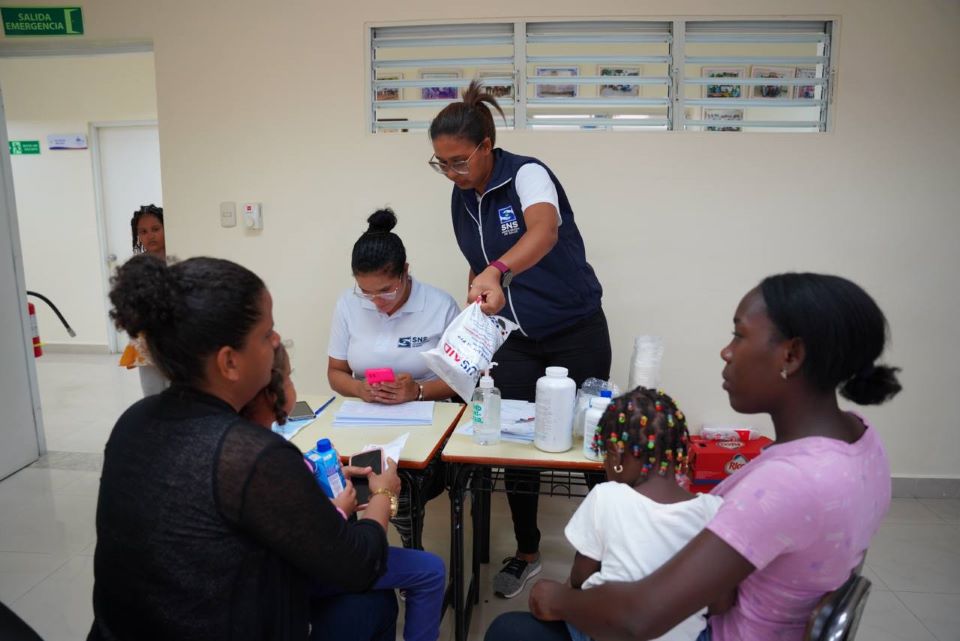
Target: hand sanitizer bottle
{"points": [[486, 411]]}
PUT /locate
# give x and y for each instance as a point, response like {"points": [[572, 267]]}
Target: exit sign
{"points": [[24, 147], [42, 21]]}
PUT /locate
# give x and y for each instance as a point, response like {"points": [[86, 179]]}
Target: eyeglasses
{"points": [[384, 296], [461, 167]]}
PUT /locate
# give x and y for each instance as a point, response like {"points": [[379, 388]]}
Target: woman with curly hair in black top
{"points": [[207, 524]]}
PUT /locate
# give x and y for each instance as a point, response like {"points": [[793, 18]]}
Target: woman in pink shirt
{"points": [[798, 519]]}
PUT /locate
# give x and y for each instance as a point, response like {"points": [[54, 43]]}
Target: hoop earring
{"points": [[783, 373], [618, 469]]}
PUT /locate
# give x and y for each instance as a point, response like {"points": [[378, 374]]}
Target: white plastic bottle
{"points": [[556, 397], [598, 405], [486, 412]]}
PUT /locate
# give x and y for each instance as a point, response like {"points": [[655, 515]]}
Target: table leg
{"points": [[480, 515], [457, 472], [486, 491], [414, 481]]}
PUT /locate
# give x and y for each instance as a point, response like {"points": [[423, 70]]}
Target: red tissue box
{"points": [[712, 461]]}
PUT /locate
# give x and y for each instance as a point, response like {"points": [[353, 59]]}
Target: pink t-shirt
{"points": [[803, 514]]}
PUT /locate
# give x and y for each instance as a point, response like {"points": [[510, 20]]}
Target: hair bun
{"points": [[381, 221], [872, 386], [145, 294]]}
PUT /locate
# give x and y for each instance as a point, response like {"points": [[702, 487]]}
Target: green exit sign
{"points": [[42, 21], [24, 147]]}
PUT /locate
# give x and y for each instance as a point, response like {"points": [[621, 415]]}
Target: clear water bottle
{"points": [[486, 412], [327, 469]]}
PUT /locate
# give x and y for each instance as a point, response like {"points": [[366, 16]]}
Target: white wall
{"points": [[265, 103], [55, 190]]}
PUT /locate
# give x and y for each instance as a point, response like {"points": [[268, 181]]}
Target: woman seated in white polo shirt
{"points": [[385, 321]]}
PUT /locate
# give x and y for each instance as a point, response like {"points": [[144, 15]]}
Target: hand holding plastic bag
{"points": [[467, 347]]}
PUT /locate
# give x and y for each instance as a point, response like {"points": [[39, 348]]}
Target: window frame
{"points": [[680, 31]]}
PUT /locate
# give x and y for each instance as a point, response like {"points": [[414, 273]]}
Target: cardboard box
{"points": [[713, 461]]}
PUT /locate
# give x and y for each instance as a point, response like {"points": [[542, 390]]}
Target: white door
{"points": [[21, 428], [127, 165]]}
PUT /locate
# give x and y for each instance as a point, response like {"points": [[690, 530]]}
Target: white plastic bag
{"points": [[467, 347]]}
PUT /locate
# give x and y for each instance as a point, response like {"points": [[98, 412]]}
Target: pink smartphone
{"points": [[380, 375]]}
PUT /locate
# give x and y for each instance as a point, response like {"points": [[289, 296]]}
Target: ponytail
{"points": [[872, 386], [469, 118]]}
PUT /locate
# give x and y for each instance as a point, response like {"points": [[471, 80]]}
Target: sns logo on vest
{"points": [[508, 221], [412, 341]]}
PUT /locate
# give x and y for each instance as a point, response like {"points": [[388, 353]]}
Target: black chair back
{"points": [[837, 616]]}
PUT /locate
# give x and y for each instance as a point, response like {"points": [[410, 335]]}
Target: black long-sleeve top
{"points": [[208, 524]]}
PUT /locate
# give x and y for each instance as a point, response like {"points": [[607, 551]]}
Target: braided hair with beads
{"points": [[648, 424]]}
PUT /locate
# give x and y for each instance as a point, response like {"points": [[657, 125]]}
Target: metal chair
{"points": [[837, 616], [13, 628]]}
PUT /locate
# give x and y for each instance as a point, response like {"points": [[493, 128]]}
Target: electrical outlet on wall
{"points": [[228, 214]]}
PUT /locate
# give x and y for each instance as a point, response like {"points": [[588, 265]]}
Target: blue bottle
{"points": [[327, 469]]}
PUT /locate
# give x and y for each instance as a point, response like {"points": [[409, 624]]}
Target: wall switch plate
{"points": [[252, 217], [228, 214]]}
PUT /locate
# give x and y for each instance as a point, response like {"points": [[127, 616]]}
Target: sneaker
{"points": [[510, 580]]}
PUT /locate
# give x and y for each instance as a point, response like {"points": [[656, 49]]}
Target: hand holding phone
{"points": [[372, 459], [379, 375]]}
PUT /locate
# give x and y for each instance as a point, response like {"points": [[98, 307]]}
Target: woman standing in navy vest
{"points": [[527, 261]]}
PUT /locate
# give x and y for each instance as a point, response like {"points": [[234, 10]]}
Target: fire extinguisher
{"points": [[37, 345], [32, 310]]}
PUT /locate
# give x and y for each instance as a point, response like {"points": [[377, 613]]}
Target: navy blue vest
{"points": [[558, 291]]}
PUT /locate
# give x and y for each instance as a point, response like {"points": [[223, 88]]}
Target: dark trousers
{"points": [[522, 626], [584, 349], [368, 616]]}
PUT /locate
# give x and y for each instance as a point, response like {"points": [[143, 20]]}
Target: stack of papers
{"points": [[516, 422], [377, 415]]}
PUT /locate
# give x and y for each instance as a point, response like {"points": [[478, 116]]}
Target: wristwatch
{"points": [[394, 500], [506, 276]]}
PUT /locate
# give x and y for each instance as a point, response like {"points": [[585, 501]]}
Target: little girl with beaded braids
{"points": [[628, 527]]}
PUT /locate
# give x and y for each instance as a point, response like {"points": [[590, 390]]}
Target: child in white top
{"points": [[631, 525]]}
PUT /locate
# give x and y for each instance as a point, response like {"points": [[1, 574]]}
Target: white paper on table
{"points": [[516, 421], [291, 428], [393, 449], [360, 413], [512, 412]]}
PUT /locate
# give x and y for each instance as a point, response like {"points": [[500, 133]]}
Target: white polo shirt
{"points": [[367, 338]]}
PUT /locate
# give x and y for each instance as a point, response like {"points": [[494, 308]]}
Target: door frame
{"points": [[9, 205], [113, 337]]}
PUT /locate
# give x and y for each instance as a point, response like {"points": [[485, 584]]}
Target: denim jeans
{"points": [[370, 616], [422, 576], [523, 626]]}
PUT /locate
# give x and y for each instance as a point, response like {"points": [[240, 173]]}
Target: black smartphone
{"points": [[300, 411], [372, 459]]}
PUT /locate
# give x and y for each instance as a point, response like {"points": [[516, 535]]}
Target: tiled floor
{"points": [[47, 527]]}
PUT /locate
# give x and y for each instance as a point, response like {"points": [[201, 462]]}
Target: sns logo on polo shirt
{"points": [[411, 341], [508, 221]]}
